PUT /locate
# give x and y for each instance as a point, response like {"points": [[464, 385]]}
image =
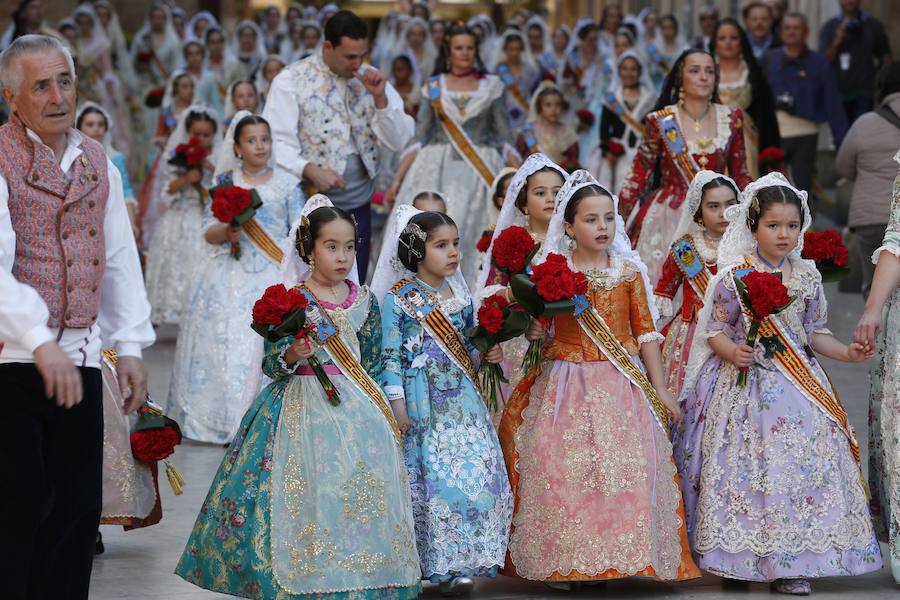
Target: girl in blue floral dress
{"points": [[461, 497], [311, 499]]}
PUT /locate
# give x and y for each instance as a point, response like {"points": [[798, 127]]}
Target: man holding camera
{"points": [[806, 94]]}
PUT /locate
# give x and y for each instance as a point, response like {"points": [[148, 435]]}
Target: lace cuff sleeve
{"points": [[665, 306], [651, 336], [394, 392], [286, 368]]}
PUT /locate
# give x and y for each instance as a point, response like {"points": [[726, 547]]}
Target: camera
{"points": [[785, 101]]}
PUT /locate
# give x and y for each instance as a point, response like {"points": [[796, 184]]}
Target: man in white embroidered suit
{"points": [[69, 273], [328, 113]]}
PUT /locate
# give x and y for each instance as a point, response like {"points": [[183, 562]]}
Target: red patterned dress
{"points": [[658, 210], [679, 331]]}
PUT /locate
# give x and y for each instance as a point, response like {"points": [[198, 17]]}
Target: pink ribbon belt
{"points": [[307, 371]]}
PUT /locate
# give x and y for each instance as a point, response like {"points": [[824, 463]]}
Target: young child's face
{"points": [[205, 131], [778, 230], [254, 145], [594, 226], [540, 195], [93, 125], [551, 108], [712, 209], [245, 97], [441, 252], [334, 251]]}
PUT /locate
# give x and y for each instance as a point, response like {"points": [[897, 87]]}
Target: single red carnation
{"points": [[485, 241], [152, 445], [586, 117], [490, 317], [615, 148], [496, 300], [511, 250], [771, 154], [196, 153], [554, 280], [766, 293]]}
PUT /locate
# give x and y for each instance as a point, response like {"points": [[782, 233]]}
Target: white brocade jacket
{"points": [[317, 116]]}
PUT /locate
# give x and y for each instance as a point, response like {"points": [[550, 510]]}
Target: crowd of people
{"points": [[658, 427]]}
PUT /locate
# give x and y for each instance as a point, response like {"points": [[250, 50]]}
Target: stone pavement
{"points": [[139, 564]]}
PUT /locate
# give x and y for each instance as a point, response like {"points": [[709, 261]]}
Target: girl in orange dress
{"points": [[598, 493]]}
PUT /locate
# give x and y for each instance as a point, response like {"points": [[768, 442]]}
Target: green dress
{"points": [[311, 498]]}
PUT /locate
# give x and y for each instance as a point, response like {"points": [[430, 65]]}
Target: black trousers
{"points": [[50, 464], [800, 155]]}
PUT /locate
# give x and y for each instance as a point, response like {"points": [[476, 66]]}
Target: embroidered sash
{"points": [[793, 363], [422, 306], [457, 135], [511, 86], [594, 326], [691, 264], [530, 137], [677, 146], [614, 105], [328, 335]]}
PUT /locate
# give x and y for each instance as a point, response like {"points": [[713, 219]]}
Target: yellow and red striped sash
{"points": [[595, 327], [263, 241], [329, 336], [457, 136], [422, 306]]}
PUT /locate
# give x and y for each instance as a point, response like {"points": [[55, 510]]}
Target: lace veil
{"points": [[693, 199], [558, 242]]}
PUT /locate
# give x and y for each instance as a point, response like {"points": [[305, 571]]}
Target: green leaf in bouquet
{"points": [[291, 324], [514, 326], [832, 273], [481, 339], [248, 214], [526, 295]]}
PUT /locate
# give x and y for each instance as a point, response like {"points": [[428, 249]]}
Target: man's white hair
{"points": [[11, 70]]}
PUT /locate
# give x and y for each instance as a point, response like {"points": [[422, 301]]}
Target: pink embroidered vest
{"points": [[58, 221]]}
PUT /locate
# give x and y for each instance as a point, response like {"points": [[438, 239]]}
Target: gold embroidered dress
{"points": [[311, 498]]}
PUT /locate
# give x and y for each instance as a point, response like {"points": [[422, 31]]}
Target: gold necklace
{"points": [[702, 142]]}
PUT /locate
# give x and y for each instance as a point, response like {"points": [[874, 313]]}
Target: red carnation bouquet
{"points": [[189, 156], [281, 313], [827, 249], [513, 250], [484, 242], [771, 159], [585, 119], [614, 148], [154, 438], [498, 321], [549, 290], [762, 294], [154, 97], [234, 206]]}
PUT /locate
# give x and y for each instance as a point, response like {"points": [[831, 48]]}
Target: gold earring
{"points": [[312, 263], [681, 95], [527, 220]]}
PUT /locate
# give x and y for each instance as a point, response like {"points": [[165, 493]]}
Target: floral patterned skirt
{"points": [[461, 499], [770, 485], [310, 501], [598, 490]]}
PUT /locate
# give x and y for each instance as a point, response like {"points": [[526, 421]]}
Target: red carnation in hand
{"points": [[586, 117], [152, 445], [513, 249], [277, 302], [491, 318], [555, 281], [826, 248], [230, 202], [765, 292]]}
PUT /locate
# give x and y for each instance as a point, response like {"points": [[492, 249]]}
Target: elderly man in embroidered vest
{"points": [[69, 273], [328, 112]]}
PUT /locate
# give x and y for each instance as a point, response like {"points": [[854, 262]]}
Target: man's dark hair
{"points": [[345, 24]]}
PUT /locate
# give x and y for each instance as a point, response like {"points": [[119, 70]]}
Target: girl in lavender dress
{"points": [[770, 471]]}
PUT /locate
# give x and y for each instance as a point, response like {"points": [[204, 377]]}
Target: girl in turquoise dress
{"points": [[461, 497], [311, 499]]}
